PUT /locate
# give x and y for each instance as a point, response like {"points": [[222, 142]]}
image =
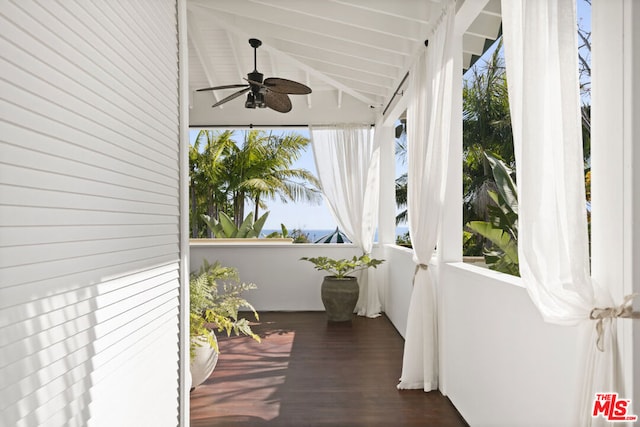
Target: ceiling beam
{"points": [[197, 41], [313, 27], [468, 13], [473, 44], [487, 26], [233, 42], [391, 8], [274, 65], [332, 57], [285, 36], [357, 18], [347, 72]]}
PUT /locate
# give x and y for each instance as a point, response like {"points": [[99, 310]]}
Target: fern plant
{"points": [[215, 300]]}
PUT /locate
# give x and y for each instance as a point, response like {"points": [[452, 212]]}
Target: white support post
{"points": [[387, 207], [184, 338], [632, 15], [450, 238], [615, 218]]}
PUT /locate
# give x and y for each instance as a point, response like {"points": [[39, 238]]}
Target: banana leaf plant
{"points": [[502, 228]]}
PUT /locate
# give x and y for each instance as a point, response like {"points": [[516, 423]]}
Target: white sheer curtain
{"points": [[348, 164], [541, 59], [428, 129]]}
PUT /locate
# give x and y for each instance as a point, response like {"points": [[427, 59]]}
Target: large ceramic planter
{"points": [[204, 362], [339, 296]]}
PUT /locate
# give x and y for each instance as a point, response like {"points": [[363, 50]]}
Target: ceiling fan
{"points": [[273, 92]]}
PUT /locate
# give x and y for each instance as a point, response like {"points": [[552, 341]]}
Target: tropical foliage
{"points": [[226, 174], [224, 227], [486, 129], [501, 230], [215, 300], [208, 188], [401, 181], [341, 268], [401, 199], [296, 235]]}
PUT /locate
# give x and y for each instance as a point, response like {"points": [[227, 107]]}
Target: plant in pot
{"points": [[340, 289], [215, 300]]}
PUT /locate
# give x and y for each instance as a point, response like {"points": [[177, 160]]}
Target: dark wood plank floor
{"points": [[310, 372]]}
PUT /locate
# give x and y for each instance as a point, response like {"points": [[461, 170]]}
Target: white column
{"points": [[632, 16], [184, 339], [387, 207], [615, 218], [450, 239], [450, 242]]}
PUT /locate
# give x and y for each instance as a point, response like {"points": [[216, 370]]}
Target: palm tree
{"points": [[207, 176], [225, 174], [401, 181], [401, 199], [486, 128], [261, 169]]}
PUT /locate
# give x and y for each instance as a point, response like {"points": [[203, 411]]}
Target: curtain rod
{"points": [[251, 126], [396, 93]]}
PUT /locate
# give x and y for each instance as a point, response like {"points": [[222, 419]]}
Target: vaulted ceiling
{"points": [[353, 54]]}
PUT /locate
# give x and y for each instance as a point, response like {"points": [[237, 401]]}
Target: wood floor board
{"points": [[309, 372]]}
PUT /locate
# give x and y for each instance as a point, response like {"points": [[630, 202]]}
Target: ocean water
{"points": [[315, 234]]}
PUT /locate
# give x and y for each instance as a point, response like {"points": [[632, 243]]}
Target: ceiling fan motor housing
{"points": [[255, 98], [255, 76]]}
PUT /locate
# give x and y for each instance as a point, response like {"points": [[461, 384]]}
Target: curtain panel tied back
{"points": [[428, 134]]}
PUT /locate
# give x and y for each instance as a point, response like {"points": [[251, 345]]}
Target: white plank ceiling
{"points": [[353, 54]]}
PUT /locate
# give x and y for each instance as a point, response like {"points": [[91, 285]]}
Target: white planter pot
{"points": [[204, 362]]}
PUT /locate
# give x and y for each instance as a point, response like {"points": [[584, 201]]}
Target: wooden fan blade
{"points": [[253, 82], [230, 97], [222, 87], [278, 101], [279, 85]]}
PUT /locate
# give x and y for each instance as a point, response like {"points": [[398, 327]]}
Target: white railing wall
{"points": [[397, 293], [501, 363], [284, 282], [287, 284]]}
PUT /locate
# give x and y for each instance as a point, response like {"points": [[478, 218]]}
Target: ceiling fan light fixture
{"points": [[259, 100], [251, 101]]}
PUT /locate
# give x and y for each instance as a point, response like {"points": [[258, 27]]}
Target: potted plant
{"points": [[340, 290], [214, 306]]}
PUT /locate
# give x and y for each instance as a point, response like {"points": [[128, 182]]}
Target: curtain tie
{"points": [[415, 273], [624, 310]]}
